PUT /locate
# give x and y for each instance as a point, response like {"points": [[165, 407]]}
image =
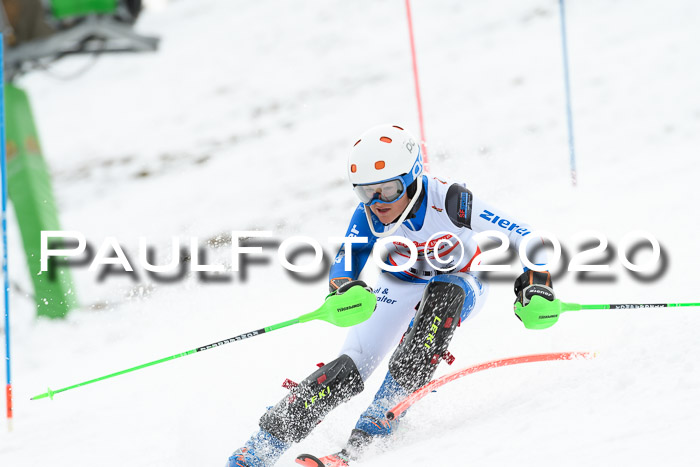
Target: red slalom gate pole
{"points": [[426, 163], [404, 405]]}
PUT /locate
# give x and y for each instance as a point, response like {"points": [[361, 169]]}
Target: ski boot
{"points": [[261, 450], [373, 422], [371, 425]]}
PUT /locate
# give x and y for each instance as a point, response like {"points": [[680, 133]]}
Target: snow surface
{"points": [[242, 121]]}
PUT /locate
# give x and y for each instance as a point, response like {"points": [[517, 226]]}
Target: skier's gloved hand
{"points": [[531, 283], [337, 282], [349, 284], [343, 284]]}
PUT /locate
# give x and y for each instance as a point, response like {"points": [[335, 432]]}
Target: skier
{"points": [[427, 300]]}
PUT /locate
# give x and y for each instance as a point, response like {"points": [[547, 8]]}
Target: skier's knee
{"points": [[293, 418], [473, 290], [415, 359], [476, 298]]}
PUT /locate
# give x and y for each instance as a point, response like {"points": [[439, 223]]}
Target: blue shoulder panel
{"points": [[360, 253]]}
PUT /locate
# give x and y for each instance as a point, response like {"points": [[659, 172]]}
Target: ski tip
{"points": [[309, 461]]}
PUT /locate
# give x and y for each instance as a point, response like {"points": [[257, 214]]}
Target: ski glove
{"points": [[347, 285], [337, 282], [531, 283]]}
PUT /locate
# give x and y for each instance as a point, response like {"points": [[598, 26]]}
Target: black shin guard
{"points": [[305, 406], [415, 359]]}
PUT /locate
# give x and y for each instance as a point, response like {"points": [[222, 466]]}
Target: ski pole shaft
{"points": [[625, 306], [50, 393], [541, 313], [344, 308]]}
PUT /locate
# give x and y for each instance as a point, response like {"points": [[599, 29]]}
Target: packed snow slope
{"points": [[243, 119]]}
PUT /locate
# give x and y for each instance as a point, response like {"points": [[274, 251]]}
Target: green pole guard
{"points": [[347, 309], [540, 313]]}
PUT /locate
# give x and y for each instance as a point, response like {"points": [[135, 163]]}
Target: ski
{"points": [[339, 459]]}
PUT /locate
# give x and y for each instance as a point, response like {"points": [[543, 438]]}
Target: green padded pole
{"points": [[31, 194]]}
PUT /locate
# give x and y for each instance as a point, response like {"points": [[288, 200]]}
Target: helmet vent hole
{"points": [[398, 127], [385, 139], [358, 142], [353, 168], [379, 165]]}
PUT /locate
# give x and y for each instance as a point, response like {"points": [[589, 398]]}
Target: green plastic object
{"points": [[348, 309], [352, 307], [31, 194], [68, 8], [540, 313], [49, 393]]}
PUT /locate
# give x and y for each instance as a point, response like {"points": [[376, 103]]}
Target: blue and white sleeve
{"points": [[486, 217], [359, 254]]}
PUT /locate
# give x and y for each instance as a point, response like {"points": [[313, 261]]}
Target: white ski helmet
{"points": [[382, 164]]}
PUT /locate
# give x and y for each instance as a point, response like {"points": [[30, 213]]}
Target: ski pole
{"points": [[343, 308], [540, 313]]}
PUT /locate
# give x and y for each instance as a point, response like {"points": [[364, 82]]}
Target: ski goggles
{"points": [[388, 191]]}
